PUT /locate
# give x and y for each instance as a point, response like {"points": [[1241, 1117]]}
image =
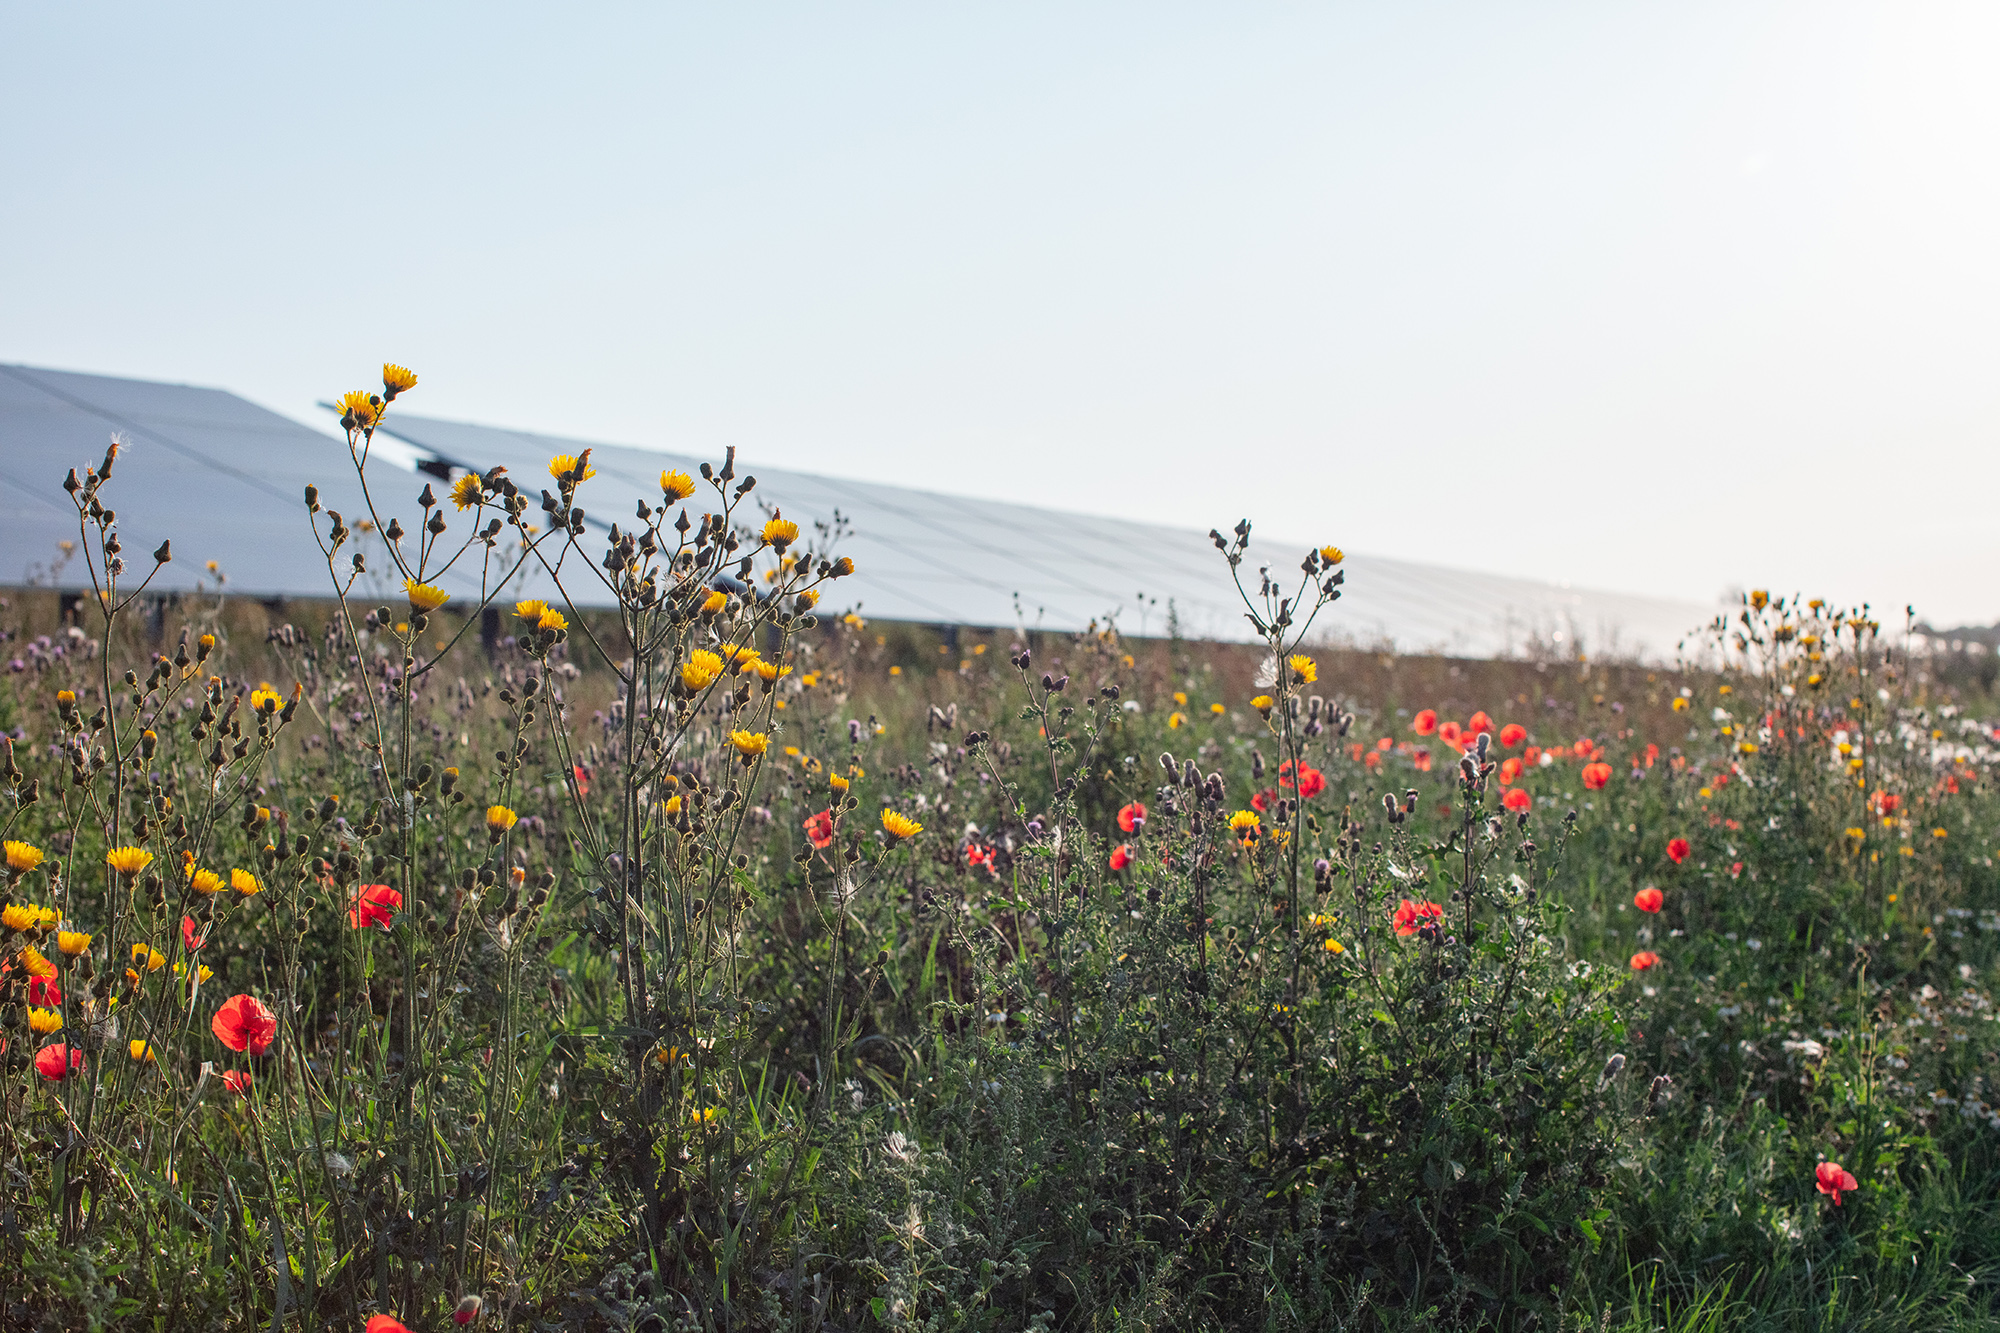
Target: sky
{"points": [[1663, 298]]}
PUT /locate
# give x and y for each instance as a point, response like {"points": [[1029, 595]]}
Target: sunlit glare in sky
{"points": [[1666, 298]]}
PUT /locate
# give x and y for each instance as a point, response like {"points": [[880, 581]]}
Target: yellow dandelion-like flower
{"points": [[1332, 555], [1304, 670], [531, 611], [1217, 709], [807, 599], [205, 882], [1335, 947], [749, 744], [713, 604], [397, 379], [44, 1021], [1680, 705], [1759, 599], [841, 568], [499, 818], [18, 916], [899, 825], [700, 670], [128, 861], [72, 942], [141, 1049], [181, 970], [552, 621], [1180, 698], [35, 965], [65, 698], [769, 672], [1244, 824], [147, 957], [468, 491], [740, 653], [423, 597], [266, 700], [1177, 721], [780, 532], [1940, 833], [704, 1115], [563, 464], [22, 857], [356, 411], [1264, 703], [676, 485], [838, 783]]}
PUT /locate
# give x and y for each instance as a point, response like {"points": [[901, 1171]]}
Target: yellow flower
{"points": [[1746, 747], [1335, 947], [1759, 600], [1304, 670], [1180, 699], [244, 883], [899, 825], [19, 916], [1332, 555], [146, 956], [1940, 833], [531, 611], [72, 942], [1264, 703], [65, 698], [1177, 721], [841, 568], [700, 670], [22, 857], [838, 783], [357, 410], [713, 604], [44, 1021], [266, 700], [552, 621], [205, 882], [1244, 824], [1321, 921], [423, 597], [1217, 709], [704, 1115], [563, 464], [499, 818], [895, 671], [749, 744], [807, 599], [396, 379], [140, 1049], [780, 532], [1726, 690], [180, 970], [128, 861], [1857, 834], [769, 672], [740, 653], [672, 806], [676, 485], [468, 491], [1705, 793], [35, 965]]}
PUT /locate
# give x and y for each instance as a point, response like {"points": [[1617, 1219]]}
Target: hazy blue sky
{"points": [[1660, 297]]}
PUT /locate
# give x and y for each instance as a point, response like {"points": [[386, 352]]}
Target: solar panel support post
{"points": [[489, 630]]}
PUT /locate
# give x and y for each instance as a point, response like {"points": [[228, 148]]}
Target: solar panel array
{"points": [[224, 477]]}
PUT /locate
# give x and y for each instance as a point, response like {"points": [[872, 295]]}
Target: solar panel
{"points": [[224, 478]]}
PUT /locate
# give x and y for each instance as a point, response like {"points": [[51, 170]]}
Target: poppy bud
{"points": [[467, 1311], [1190, 775]]}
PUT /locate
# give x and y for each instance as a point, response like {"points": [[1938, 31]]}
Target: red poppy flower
{"points": [[44, 991], [1373, 759], [1413, 917], [1449, 733], [188, 937], [1513, 734], [1510, 768], [237, 1081], [1121, 857], [1644, 959], [1888, 802], [1652, 755], [1385, 743], [582, 776], [1517, 800], [56, 1062], [819, 828], [1261, 802], [977, 857], [243, 1023], [1595, 776], [1132, 818], [1735, 869], [382, 1323], [374, 905], [1477, 723], [1425, 723], [1677, 850], [1649, 899], [1834, 1180], [1422, 759], [1311, 782], [1532, 755], [1356, 750]]}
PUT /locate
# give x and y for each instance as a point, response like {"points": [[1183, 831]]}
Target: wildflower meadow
{"points": [[701, 956]]}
